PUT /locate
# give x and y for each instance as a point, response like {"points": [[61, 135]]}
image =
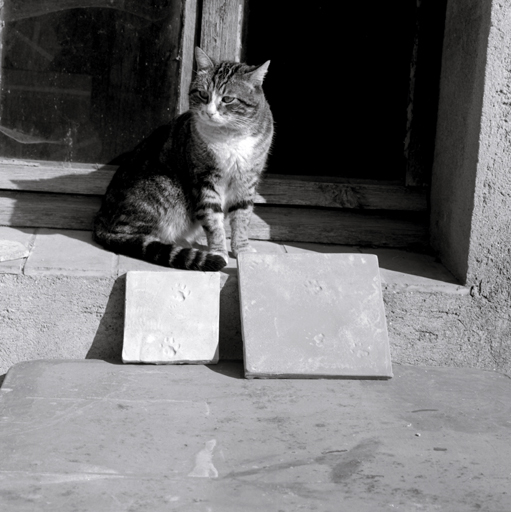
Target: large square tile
{"points": [[313, 315]]}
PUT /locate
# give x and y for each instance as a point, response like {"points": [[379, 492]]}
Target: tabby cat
{"points": [[190, 175]]}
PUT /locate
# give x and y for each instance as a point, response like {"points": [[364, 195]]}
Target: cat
{"points": [[190, 176]]}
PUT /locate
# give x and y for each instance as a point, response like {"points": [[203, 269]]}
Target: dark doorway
{"points": [[338, 84]]}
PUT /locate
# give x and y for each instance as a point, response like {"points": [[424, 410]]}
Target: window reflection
{"points": [[84, 81]]}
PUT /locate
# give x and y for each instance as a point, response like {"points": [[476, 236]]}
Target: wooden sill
{"points": [[275, 189], [288, 208]]}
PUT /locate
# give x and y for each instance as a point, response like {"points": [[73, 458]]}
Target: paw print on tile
{"points": [[319, 339], [181, 293], [169, 347], [358, 351], [313, 286]]}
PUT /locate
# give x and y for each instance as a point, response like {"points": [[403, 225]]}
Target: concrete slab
{"points": [[69, 252], [404, 271], [10, 250], [22, 238], [171, 317], [302, 247], [313, 315], [88, 436]]}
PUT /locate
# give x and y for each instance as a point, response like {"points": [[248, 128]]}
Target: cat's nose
{"points": [[211, 110]]}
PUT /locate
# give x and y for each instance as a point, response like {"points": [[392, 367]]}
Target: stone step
{"points": [[66, 300], [94, 436]]}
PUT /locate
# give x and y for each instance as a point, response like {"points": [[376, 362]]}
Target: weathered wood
{"points": [[62, 211], [40, 176], [338, 227], [221, 29], [56, 177], [17, 10], [65, 211], [188, 42], [358, 195]]}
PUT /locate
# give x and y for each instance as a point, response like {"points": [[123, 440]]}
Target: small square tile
{"points": [[313, 315], [171, 317]]}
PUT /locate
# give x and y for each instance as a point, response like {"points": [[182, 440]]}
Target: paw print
{"points": [[313, 286], [319, 339], [170, 347], [182, 293]]}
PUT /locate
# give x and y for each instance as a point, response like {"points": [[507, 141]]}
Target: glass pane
{"points": [[85, 80]]}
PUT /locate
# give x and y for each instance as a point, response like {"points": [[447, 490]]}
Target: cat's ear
{"points": [[257, 75], [203, 61]]}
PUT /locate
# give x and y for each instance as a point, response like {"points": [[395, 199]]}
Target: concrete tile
{"points": [[403, 270], [171, 317], [69, 252], [313, 315], [19, 236], [299, 247]]}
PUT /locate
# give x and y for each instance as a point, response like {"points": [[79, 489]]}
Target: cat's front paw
{"points": [[224, 255]]}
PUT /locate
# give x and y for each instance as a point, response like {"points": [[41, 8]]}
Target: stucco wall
{"points": [[458, 127], [471, 187], [489, 260]]}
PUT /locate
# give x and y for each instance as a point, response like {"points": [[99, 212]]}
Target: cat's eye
{"points": [[203, 95], [228, 99]]}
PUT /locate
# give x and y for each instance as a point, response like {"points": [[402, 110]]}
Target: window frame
{"points": [[288, 208]]}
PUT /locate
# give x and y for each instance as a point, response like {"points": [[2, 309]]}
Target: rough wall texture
{"points": [[471, 189], [489, 261], [458, 128], [448, 330]]}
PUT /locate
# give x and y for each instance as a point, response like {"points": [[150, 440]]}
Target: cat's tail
{"points": [[150, 249]]}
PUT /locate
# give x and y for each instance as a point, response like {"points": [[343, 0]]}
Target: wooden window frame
{"points": [[66, 195]]}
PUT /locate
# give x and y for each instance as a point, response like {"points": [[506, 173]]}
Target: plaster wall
{"points": [[489, 258], [471, 184], [458, 128]]}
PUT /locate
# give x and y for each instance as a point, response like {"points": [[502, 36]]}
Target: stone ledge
{"points": [[74, 253], [66, 300]]}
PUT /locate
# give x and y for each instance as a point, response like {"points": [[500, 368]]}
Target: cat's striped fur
{"points": [[191, 175]]}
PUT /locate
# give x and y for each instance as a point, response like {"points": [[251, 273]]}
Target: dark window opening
{"points": [[338, 84]]}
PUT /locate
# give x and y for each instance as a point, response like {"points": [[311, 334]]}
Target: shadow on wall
{"points": [[107, 342]]}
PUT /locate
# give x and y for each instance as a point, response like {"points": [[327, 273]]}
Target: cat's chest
{"points": [[233, 156]]}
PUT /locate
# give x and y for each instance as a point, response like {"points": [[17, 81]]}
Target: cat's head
{"points": [[227, 94]]}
